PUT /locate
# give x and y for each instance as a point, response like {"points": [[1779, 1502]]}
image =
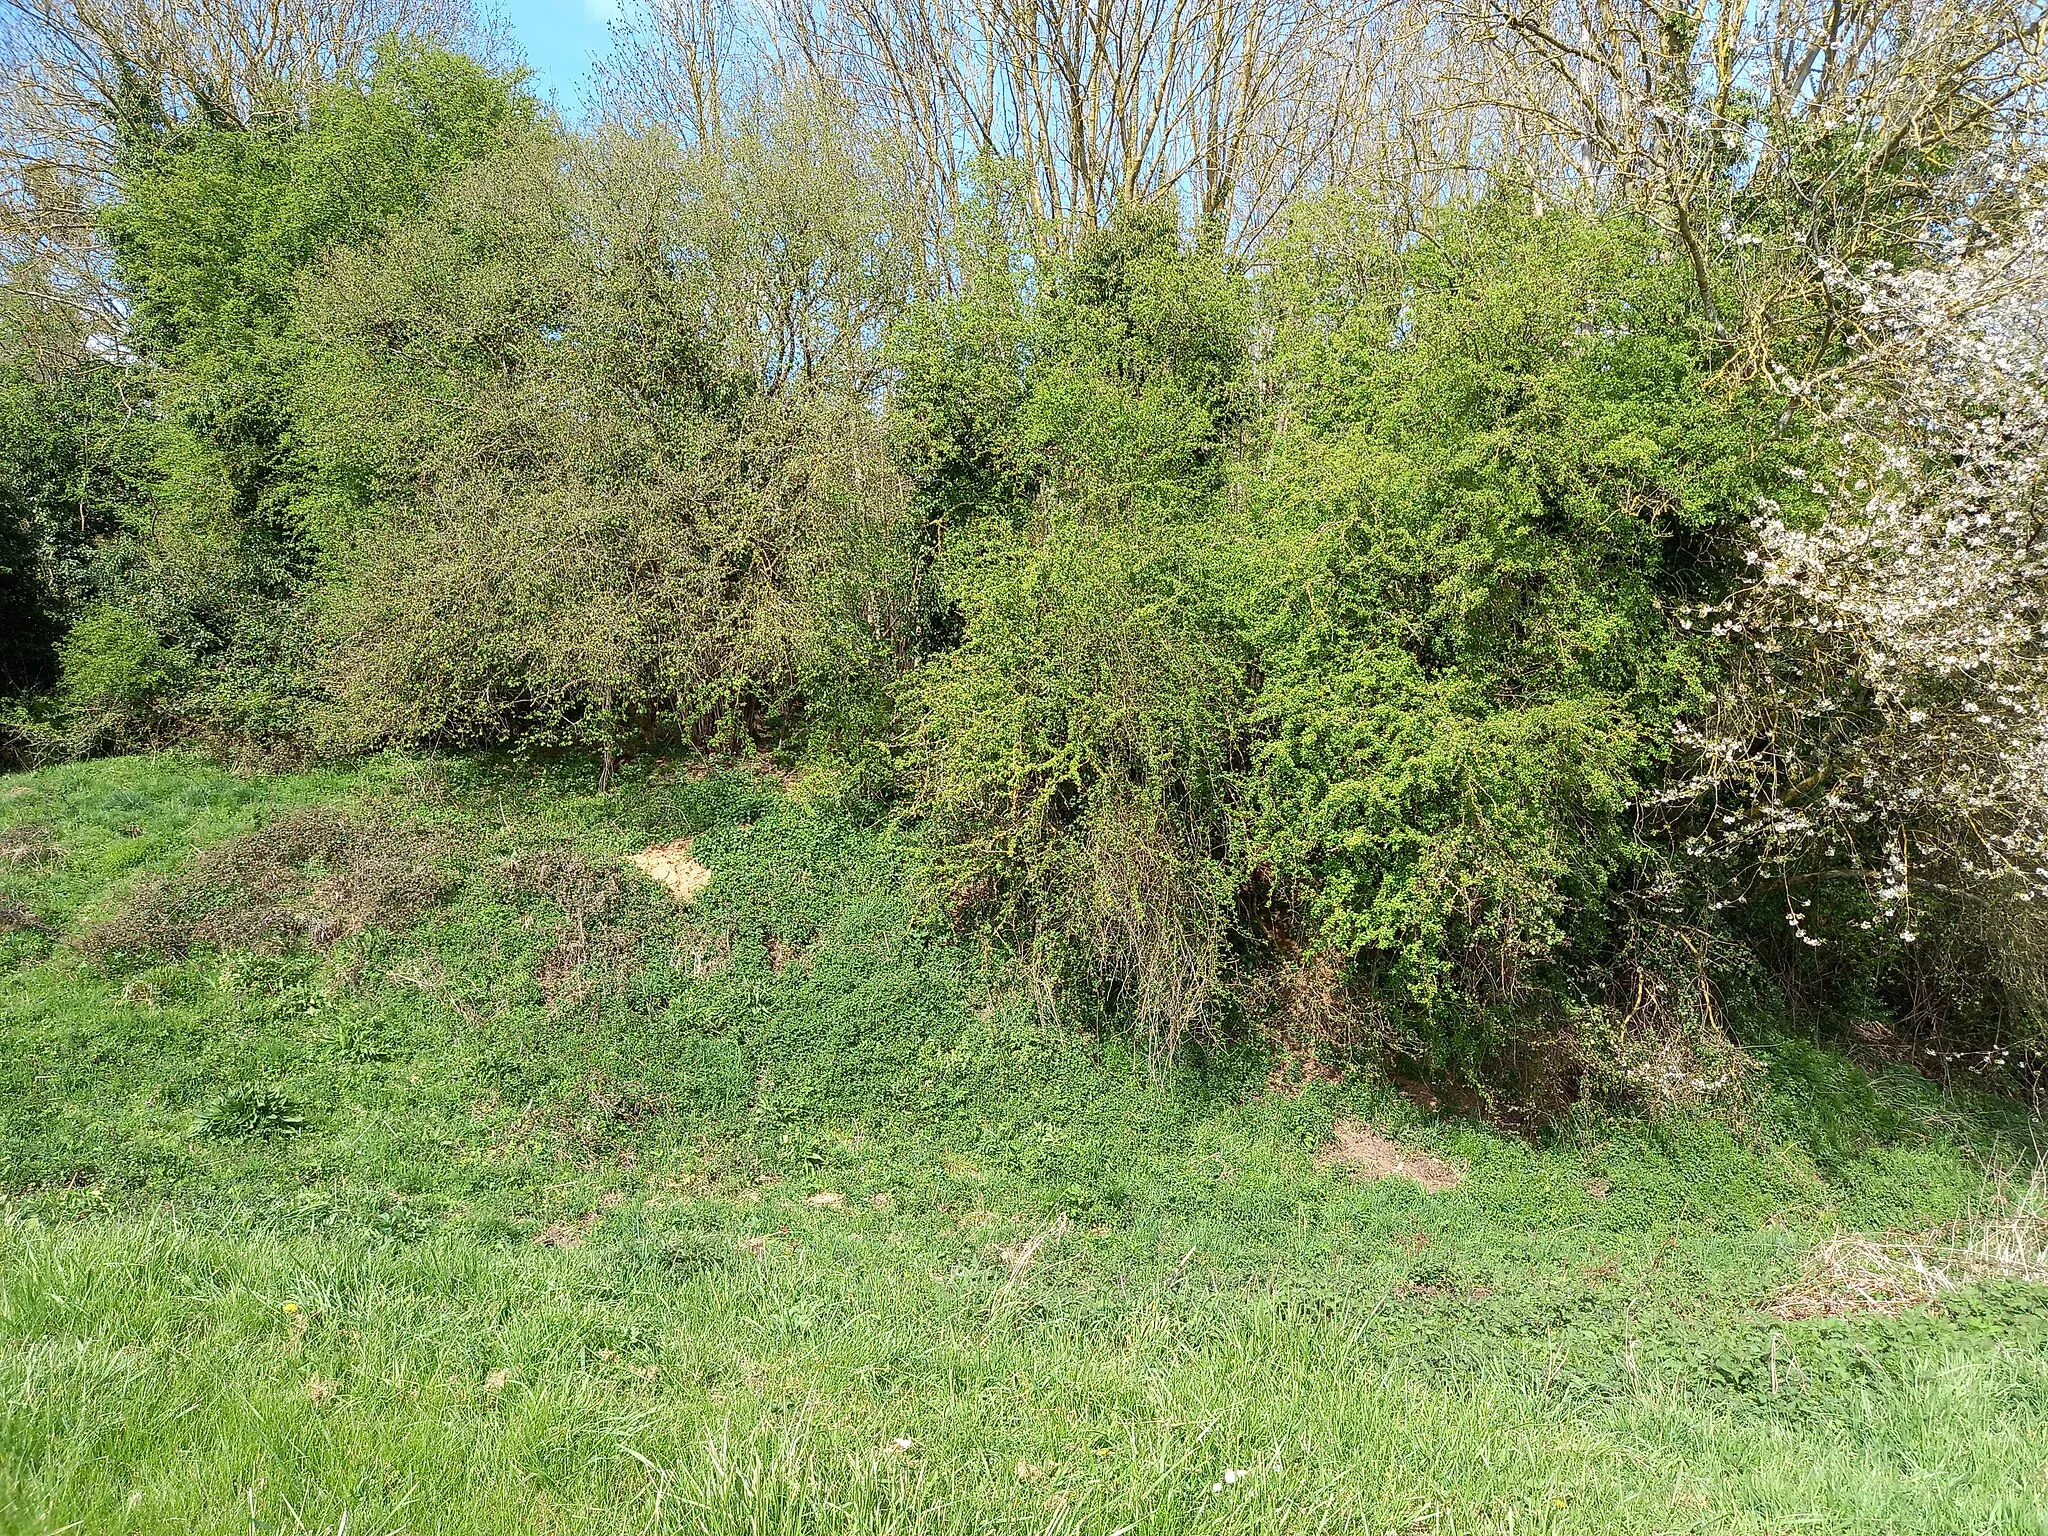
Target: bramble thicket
{"points": [[1508, 538]]}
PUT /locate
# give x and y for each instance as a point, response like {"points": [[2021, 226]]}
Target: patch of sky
{"points": [[560, 39]]}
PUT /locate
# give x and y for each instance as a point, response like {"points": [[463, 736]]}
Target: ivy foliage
{"points": [[70, 461], [210, 235]]}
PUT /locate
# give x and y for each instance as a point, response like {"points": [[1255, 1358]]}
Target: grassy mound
{"points": [[380, 1149]]}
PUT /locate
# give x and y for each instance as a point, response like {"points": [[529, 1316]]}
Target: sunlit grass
{"points": [[538, 1243]]}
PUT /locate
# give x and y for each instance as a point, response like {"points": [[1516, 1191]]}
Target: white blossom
{"points": [[1885, 713]]}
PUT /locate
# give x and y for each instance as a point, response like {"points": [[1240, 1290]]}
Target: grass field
{"points": [[408, 1162]]}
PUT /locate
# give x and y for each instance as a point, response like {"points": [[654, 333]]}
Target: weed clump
{"points": [[16, 918], [31, 845], [241, 1114], [596, 951], [312, 877]]}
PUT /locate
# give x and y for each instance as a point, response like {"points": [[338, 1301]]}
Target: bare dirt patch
{"points": [[670, 866], [568, 1234], [1359, 1150]]}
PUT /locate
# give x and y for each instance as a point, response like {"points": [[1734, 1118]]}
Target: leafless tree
{"points": [[1231, 107], [76, 76], [686, 65], [1843, 114]]}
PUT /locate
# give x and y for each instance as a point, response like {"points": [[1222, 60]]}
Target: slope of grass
{"points": [[561, 1209]]}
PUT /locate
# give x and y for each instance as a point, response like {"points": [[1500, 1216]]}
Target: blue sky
{"points": [[559, 37]]}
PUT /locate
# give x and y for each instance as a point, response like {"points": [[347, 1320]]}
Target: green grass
{"points": [[504, 1222]]}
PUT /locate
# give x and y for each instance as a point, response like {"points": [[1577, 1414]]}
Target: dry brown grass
{"points": [[1359, 1150], [313, 876], [30, 843], [1852, 1274], [1019, 1257], [594, 952]]}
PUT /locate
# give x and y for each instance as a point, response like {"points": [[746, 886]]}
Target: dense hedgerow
{"points": [[1321, 643], [1384, 678], [1506, 472]]}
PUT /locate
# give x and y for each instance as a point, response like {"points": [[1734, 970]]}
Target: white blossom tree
{"points": [[1883, 720]]}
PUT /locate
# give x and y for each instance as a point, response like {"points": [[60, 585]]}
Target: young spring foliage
{"points": [[597, 447], [214, 227], [1380, 673], [1071, 756], [1502, 467], [1303, 639]]}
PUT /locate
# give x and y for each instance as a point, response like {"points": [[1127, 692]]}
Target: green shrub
{"points": [[1073, 765], [119, 678], [1071, 756], [210, 232], [1505, 467], [1391, 690], [68, 446], [598, 450]]}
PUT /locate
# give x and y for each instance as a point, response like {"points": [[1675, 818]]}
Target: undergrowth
{"points": [[525, 1199]]}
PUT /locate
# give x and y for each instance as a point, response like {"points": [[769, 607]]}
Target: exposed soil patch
{"points": [[1359, 1150], [670, 866], [567, 1234]]}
